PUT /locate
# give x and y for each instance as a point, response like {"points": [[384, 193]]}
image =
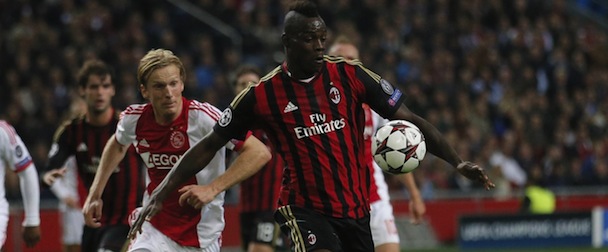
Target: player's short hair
{"points": [[306, 8], [155, 59], [245, 69], [92, 67]]}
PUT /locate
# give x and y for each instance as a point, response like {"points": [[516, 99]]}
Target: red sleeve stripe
{"points": [[207, 108], [9, 131], [134, 109], [23, 165]]}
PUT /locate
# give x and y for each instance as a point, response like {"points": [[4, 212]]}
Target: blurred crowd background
{"points": [[516, 86]]}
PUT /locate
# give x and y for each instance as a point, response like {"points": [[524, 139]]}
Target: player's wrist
{"points": [[31, 221]]}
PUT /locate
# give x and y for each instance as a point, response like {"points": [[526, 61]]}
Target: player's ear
{"points": [[285, 39], [143, 91]]}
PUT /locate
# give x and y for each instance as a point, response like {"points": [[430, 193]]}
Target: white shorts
{"points": [[152, 240], [382, 223], [72, 223]]}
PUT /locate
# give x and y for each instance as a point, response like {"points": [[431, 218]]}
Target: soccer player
{"points": [[162, 131], [84, 137], [260, 192], [66, 190], [382, 221], [311, 109], [72, 221], [15, 155]]}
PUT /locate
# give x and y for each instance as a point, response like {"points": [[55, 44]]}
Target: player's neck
{"points": [[168, 118], [100, 118], [298, 75]]}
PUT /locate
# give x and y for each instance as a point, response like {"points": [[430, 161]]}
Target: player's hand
{"points": [[196, 196], [474, 172], [151, 208], [49, 177], [31, 236], [417, 210], [92, 212]]}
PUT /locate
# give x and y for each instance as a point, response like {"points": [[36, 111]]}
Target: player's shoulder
{"points": [[135, 109], [198, 105], [270, 75], [75, 119], [340, 60], [203, 109], [6, 128]]}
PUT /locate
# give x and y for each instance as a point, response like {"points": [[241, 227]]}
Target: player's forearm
{"points": [[410, 183], [112, 154], [436, 143], [194, 160], [250, 160], [30, 191]]}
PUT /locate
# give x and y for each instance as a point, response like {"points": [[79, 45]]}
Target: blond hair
{"points": [[155, 59]]}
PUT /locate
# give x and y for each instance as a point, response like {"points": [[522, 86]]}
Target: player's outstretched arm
{"points": [[30, 191], [194, 160], [438, 145], [113, 153], [252, 157]]}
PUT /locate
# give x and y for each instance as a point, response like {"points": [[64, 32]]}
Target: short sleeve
{"points": [[13, 148], [125, 129], [382, 96], [238, 118]]}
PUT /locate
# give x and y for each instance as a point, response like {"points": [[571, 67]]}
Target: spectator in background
{"points": [[537, 199]]}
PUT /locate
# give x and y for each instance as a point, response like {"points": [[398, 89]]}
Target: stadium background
{"points": [[514, 85]]}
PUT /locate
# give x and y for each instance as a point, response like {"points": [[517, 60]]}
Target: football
{"points": [[398, 147]]}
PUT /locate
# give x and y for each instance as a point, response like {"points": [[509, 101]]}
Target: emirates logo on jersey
{"points": [[334, 95], [177, 139]]}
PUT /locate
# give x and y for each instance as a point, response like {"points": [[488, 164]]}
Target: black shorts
{"points": [[260, 227], [110, 238], [310, 230]]}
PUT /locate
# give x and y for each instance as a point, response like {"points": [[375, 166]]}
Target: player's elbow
{"points": [[265, 155]]}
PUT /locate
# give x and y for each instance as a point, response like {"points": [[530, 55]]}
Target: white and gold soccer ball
{"points": [[398, 147]]}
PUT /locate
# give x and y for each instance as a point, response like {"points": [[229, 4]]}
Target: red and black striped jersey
{"points": [[260, 192], [124, 190], [317, 128]]}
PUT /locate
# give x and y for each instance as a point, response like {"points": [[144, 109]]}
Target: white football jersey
{"points": [[372, 122], [160, 147], [13, 154]]}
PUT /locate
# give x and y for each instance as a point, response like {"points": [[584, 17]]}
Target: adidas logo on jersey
{"points": [[290, 107], [82, 147]]}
